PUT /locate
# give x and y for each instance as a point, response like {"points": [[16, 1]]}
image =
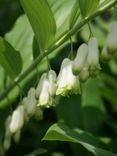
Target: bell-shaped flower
{"points": [[52, 82], [80, 59], [111, 42], [30, 102], [17, 119], [39, 86], [93, 57], [67, 82], [45, 100]]}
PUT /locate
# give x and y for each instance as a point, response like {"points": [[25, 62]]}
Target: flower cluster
{"points": [[14, 123], [110, 48], [85, 64]]}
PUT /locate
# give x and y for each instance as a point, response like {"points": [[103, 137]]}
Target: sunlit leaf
{"points": [[42, 21], [10, 59], [61, 132]]}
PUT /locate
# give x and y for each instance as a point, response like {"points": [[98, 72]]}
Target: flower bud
{"points": [[52, 82], [112, 38], [105, 54], [17, 136], [80, 59], [93, 57], [17, 119], [39, 113], [30, 102], [66, 81], [84, 74], [7, 138]]}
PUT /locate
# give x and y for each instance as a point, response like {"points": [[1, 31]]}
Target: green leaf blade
{"points": [[61, 132], [42, 21], [10, 59], [87, 7]]}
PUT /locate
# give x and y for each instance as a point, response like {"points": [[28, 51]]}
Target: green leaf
{"points": [[21, 38], [61, 132], [42, 21], [87, 7], [62, 12], [75, 14], [37, 152], [10, 59]]}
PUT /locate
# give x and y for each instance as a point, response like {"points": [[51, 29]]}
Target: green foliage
{"points": [[10, 59], [62, 133], [87, 7], [86, 124], [42, 21]]}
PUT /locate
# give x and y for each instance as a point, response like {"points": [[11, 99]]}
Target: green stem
{"points": [[57, 44]]}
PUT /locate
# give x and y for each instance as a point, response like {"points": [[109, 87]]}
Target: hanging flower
{"points": [[66, 81], [80, 59], [52, 82], [39, 86], [30, 102], [93, 57], [17, 119], [111, 42]]}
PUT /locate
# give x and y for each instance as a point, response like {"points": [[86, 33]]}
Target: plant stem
{"points": [[57, 44]]}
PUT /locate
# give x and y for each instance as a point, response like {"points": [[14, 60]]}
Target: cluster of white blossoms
{"points": [[85, 64], [110, 48], [14, 123]]}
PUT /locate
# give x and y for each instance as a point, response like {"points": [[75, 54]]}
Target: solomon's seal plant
{"points": [[59, 64]]}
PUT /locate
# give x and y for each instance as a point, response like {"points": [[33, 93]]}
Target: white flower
{"points": [[17, 119], [45, 99], [39, 86], [52, 82], [80, 59], [46, 89], [93, 57], [111, 42], [30, 102], [66, 81]]}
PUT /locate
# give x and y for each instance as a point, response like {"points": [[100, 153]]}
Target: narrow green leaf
{"points": [[61, 132], [10, 59], [75, 13], [42, 21], [87, 7]]}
